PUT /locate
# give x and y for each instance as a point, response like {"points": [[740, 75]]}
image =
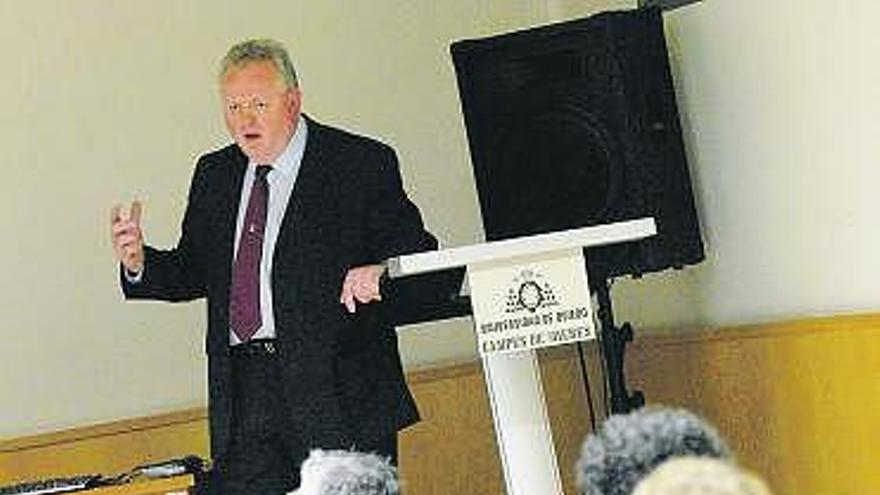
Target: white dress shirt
{"points": [[281, 180]]}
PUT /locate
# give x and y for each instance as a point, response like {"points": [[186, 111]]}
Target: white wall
{"points": [[105, 101], [781, 100]]}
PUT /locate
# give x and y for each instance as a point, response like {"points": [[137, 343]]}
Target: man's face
{"points": [[261, 113]]}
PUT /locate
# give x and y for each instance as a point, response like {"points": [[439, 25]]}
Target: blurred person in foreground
{"points": [[340, 472], [700, 476], [629, 446]]}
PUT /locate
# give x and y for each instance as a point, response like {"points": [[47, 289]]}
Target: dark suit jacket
{"points": [[342, 374]]}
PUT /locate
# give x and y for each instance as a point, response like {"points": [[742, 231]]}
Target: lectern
{"points": [[513, 380]]}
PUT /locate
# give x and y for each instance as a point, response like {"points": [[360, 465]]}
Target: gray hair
{"points": [[260, 50], [341, 472], [629, 446]]}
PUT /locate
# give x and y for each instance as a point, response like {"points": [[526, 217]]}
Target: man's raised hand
{"points": [[127, 238]]}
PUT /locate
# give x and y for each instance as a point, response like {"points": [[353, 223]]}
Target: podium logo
{"points": [[529, 291]]}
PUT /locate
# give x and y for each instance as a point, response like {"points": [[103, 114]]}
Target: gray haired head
{"points": [[260, 50], [629, 446], [341, 472]]}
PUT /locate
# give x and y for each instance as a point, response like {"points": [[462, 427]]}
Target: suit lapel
{"points": [[229, 200], [307, 184]]}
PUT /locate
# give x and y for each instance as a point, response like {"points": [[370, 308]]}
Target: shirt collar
{"points": [[288, 161]]}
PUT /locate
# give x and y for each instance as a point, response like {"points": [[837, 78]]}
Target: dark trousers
{"points": [[265, 454]]}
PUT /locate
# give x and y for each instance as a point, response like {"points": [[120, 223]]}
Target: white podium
{"points": [[513, 380]]}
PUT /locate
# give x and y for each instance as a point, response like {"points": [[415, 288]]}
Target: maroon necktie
{"points": [[244, 294]]}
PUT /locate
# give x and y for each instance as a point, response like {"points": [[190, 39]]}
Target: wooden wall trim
{"points": [[855, 322], [121, 427]]}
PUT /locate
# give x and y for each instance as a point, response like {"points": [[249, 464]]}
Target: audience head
{"points": [[629, 446], [340, 472], [700, 476]]}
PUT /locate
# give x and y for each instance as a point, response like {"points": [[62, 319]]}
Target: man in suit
{"points": [[284, 233]]}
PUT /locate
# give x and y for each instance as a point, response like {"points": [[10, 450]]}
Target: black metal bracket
{"points": [[613, 341]]}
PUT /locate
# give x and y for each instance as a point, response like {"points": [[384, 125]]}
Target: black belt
{"points": [[255, 347]]}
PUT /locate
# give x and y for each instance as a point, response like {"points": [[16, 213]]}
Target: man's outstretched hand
{"points": [[127, 238]]}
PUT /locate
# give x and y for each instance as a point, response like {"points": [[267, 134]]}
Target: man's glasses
{"points": [[256, 105]]}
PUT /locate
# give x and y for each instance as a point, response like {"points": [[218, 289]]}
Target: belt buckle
{"points": [[269, 346]]}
